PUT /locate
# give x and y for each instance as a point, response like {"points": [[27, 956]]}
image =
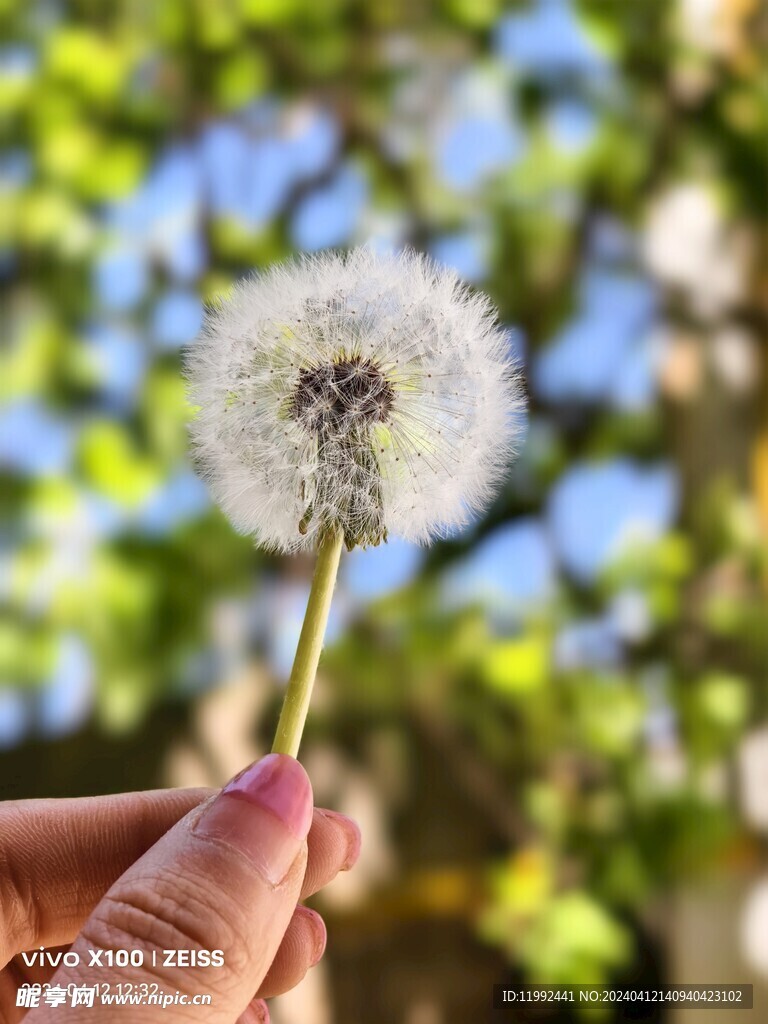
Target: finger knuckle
{"points": [[170, 911], [19, 918]]}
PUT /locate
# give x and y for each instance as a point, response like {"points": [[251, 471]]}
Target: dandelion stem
{"points": [[299, 691]]}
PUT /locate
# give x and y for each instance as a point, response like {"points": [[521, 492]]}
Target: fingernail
{"points": [[352, 833], [265, 812], [261, 1011], [319, 932]]}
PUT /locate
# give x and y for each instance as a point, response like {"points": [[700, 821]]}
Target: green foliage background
{"points": [[580, 814]]}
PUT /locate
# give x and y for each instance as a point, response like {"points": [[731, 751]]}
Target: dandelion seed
{"points": [[339, 359]]}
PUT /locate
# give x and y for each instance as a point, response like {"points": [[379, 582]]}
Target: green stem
{"points": [[299, 692]]}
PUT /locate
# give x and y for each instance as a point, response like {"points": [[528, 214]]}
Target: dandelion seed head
{"points": [[368, 393]]}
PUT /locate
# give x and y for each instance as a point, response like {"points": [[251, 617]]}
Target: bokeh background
{"points": [[552, 728]]}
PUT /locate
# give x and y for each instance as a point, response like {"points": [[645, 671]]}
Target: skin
{"points": [[59, 858]]}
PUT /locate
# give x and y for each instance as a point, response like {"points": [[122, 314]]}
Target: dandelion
{"points": [[346, 398]]}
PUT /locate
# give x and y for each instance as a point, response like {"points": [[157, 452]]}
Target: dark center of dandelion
{"points": [[348, 393]]}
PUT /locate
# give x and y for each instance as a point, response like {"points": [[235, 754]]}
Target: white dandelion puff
{"points": [[360, 394]]}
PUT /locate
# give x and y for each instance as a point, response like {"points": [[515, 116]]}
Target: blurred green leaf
{"points": [[113, 464], [575, 941], [517, 667], [241, 77], [725, 699]]}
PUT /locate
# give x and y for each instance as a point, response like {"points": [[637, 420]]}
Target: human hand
{"points": [[105, 873]]}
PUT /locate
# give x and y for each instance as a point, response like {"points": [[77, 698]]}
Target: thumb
{"points": [[203, 912]]}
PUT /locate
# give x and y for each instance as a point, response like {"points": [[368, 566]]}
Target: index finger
{"points": [[58, 858]]}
